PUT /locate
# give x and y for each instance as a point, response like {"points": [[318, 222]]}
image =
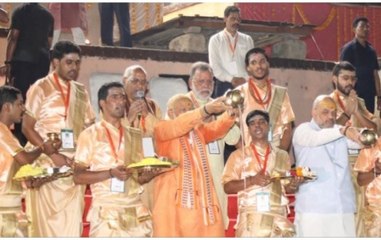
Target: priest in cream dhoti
{"points": [[57, 104], [103, 152], [261, 93], [261, 198], [142, 112], [13, 222]]}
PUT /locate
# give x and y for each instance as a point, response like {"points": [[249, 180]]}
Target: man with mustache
{"points": [[142, 112], [227, 50], [57, 104], [351, 111], [326, 206], [103, 152], [12, 156], [248, 173], [363, 56], [261, 93], [201, 82]]}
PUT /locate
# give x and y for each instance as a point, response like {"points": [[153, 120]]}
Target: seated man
{"points": [[186, 203], [262, 203], [103, 153]]}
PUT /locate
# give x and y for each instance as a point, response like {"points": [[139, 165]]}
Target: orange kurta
{"points": [[193, 213], [286, 113], [216, 159], [52, 204], [10, 190]]}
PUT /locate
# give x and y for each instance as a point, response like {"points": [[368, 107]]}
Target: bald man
{"points": [[325, 207]]}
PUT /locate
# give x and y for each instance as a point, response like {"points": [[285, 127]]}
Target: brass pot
{"points": [[234, 98], [368, 137]]}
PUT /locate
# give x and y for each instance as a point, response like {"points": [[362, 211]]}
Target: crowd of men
{"points": [[189, 199]]}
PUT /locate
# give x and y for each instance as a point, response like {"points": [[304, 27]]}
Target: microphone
{"points": [[140, 94]]}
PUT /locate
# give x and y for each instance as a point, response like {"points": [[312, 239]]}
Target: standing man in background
{"points": [[27, 55], [363, 57], [227, 51]]}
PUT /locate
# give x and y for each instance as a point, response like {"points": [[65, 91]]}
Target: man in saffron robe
{"points": [[186, 203], [57, 104]]}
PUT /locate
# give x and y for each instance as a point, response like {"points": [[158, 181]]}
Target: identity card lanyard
{"points": [[65, 99], [258, 158], [231, 45], [263, 198], [116, 184], [67, 135]]}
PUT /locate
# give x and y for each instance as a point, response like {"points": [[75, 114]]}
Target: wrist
{"points": [[42, 146], [345, 130], [206, 111], [110, 173], [346, 115]]}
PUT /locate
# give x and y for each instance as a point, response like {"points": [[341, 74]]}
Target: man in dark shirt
{"points": [[27, 55], [362, 55]]}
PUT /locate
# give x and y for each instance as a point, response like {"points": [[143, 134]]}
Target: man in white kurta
{"points": [[227, 50], [325, 207]]}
